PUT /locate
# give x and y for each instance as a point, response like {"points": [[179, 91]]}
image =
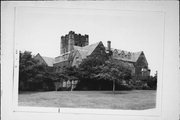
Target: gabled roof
{"points": [[86, 50], [128, 56], [136, 55], [49, 61], [91, 48], [83, 53]]}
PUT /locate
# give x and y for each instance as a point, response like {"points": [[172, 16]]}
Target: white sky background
{"points": [[39, 30]]}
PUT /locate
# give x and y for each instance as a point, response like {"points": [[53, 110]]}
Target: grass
{"points": [[135, 100]]}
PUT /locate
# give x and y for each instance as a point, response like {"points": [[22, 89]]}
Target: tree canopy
{"points": [[94, 73], [94, 70], [32, 74]]}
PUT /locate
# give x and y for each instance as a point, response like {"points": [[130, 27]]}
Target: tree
{"points": [[93, 71], [33, 75], [69, 73], [28, 68], [113, 71], [86, 71], [152, 81]]}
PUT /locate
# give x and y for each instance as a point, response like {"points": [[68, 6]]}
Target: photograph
{"points": [[92, 59]]}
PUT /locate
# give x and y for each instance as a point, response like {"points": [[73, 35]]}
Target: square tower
{"points": [[72, 39]]}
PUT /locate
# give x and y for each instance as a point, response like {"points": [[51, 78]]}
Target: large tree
{"points": [[33, 75], [96, 73], [27, 69], [69, 73], [86, 71], [117, 72]]}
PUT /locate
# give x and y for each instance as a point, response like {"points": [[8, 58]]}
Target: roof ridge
{"points": [[125, 50], [48, 57]]}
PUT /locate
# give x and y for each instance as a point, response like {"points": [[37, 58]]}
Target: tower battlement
{"points": [[72, 39]]}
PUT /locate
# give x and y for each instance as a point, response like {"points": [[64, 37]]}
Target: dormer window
{"points": [[122, 54], [129, 55], [115, 51]]}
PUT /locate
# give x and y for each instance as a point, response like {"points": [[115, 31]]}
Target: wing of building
{"points": [[137, 59]]}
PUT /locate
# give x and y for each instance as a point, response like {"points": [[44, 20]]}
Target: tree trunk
{"points": [[113, 86], [71, 85], [66, 85]]}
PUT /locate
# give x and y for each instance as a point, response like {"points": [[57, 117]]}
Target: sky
{"points": [[39, 30]]}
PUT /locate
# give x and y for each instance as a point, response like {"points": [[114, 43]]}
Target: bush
{"points": [[152, 83], [144, 84]]}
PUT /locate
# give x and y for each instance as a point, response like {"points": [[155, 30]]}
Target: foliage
{"points": [[95, 73], [70, 73], [111, 71], [33, 75], [152, 82], [149, 83], [86, 71]]}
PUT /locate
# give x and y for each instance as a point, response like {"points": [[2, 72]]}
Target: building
{"points": [[75, 47], [137, 60]]}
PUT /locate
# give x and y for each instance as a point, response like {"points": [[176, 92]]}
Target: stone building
{"points": [[75, 47], [137, 60]]}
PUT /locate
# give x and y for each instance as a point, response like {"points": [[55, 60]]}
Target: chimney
{"points": [[87, 40], [109, 45], [62, 45], [71, 41]]}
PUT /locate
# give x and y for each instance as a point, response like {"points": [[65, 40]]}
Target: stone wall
{"points": [[99, 51], [71, 39], [141, 68]]}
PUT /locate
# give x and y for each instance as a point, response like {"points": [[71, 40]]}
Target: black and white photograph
{"points": [[72, 59], [95, 59]]}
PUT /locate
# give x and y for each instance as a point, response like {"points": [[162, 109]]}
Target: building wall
{"points": [[81, 40], [77, 59], [141, 68], [99, 51]]}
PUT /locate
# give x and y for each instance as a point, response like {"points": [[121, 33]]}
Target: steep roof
{"points": [[86, 50], [49, 61], [126, 55], [136, 55], [91, 48]]}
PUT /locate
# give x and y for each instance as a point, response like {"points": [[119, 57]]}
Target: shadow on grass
{"points": [[104, 92], [31, 92], [116, 92]]}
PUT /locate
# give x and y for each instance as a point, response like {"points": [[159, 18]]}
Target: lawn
{"points": [[135, 100]]}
